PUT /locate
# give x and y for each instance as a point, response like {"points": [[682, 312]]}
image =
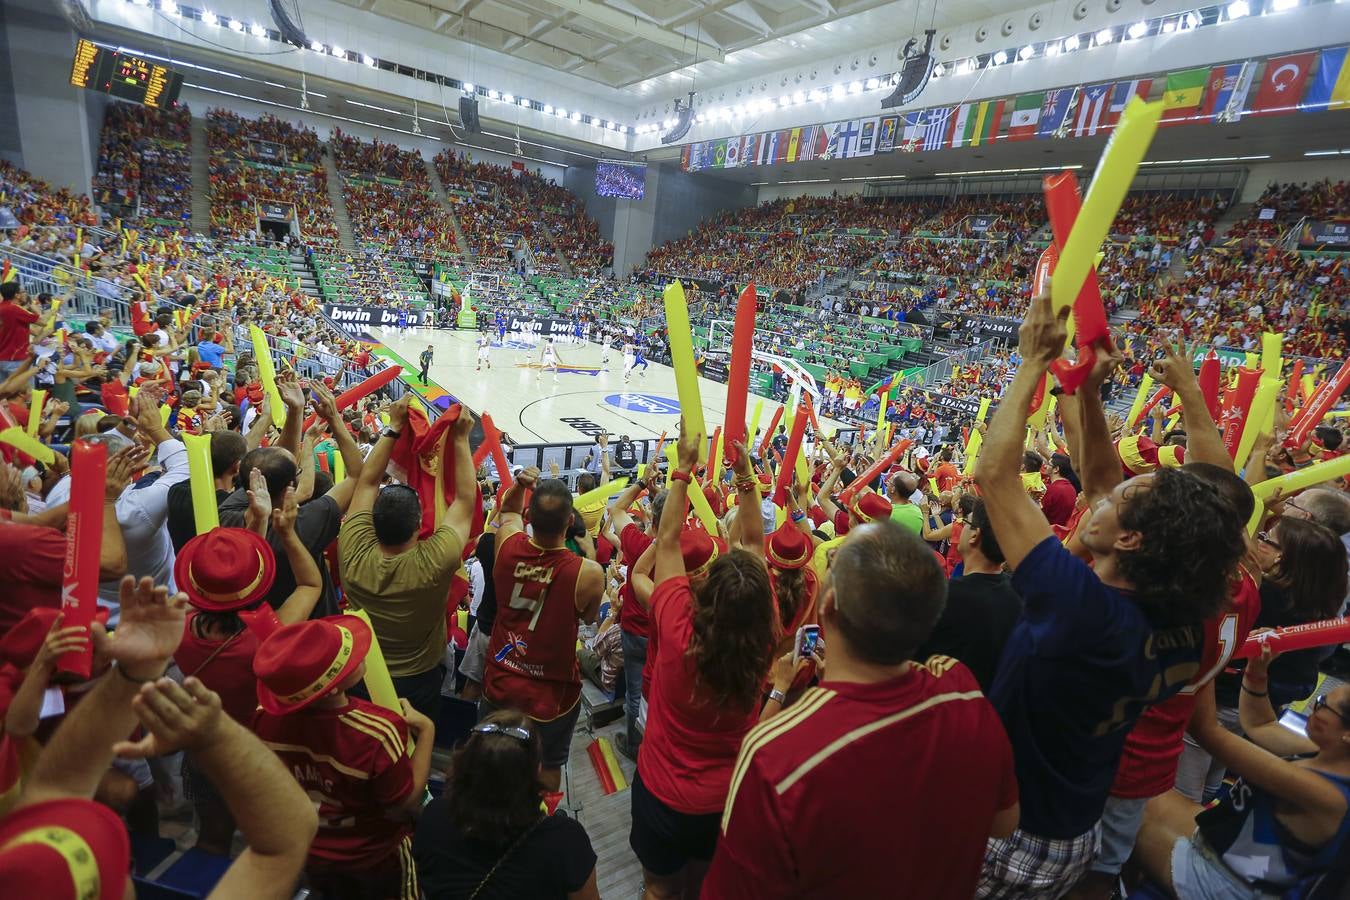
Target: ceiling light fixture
{"points": [[1103, 37], [210, 18], [236, 25], [316, 46], [872, 84], [576, 117], [1071, 43], [1238, 9], [368, 59], [168, 6], [1283, 5], [339, 52], [548, 109], [257, 30], [1136, 31], [1026, 53], [1053, 49], [1000, 58], [468, 87], [507, 98], [854, 87]]}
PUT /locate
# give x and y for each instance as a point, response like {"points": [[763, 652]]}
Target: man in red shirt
{"points": [[879, 727], [1060, 493], [15, 317], [349, 755], [543, 590]]}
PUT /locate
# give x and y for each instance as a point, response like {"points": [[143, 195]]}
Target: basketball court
{"points": [[526, 402]]}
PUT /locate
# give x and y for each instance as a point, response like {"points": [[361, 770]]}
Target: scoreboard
{"points": [[124, 75]]}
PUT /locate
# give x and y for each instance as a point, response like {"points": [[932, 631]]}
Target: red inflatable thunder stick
{"points": [[1063, 200], [872, 471], [1297, 637], [84, 545], [1238, 403], [768, 432], [492, 445], [1210, 375], [360, 390], [738, 377], [789, 463], [1315, 410]]}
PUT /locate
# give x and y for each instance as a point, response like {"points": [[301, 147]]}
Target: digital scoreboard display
{"points": [[124, 75]]}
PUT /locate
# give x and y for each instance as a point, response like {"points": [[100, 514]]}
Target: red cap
{"points": [[225, 569], [789, 548], [20, 645], [869, 506], [68, 848], [302, 663], [699, 551]]}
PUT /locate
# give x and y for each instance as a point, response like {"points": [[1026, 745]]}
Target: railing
{"points": [[941, 370]]}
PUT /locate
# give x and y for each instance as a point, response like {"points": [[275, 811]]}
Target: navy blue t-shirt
{"points": [[1081, 665]]}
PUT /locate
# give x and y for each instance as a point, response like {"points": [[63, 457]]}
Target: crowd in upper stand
{"points": [[145, 163], [266, 159]]}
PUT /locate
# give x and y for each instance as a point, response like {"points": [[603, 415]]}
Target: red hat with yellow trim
{"points": [[71, 847], [789, 548], [1139, 455], [699, 550], [302, 663], [869, 506], [225, 569]]}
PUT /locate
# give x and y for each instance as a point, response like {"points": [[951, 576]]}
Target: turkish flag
{"points": [[1282, 85]]}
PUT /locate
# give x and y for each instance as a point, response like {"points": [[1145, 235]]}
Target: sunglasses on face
{"points": [[1321, 702], [511, 731]]}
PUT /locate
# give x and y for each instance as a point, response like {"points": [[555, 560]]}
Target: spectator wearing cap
{"points": [[879, 726], [402, 581], [35, 554], [224, 573], [59, 843], [348, 753], [711, 644], [320, 517]]}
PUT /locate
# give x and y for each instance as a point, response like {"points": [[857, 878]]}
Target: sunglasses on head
{"points": [[512, 731], [1321, 701], [1265, 538]]}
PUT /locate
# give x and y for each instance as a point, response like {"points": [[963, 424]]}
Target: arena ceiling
{"points": [[628, 43]]}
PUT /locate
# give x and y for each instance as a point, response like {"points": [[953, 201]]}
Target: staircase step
{"points": [[438, 191], [335, 196]]}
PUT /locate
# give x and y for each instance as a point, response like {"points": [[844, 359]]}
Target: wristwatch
{"points": [[776, 694], [390, 433]]}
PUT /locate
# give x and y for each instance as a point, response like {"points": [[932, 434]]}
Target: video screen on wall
{"points": [[627, 182]]}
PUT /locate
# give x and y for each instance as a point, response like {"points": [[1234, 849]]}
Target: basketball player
{"points": [[577, 332], [531, 655], [501, 329], [628, 360], [640, 361], [605, 346], [548, 359], [484, 342]]}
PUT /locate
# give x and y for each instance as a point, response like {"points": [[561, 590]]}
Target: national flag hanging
{"points": [[848, 139], [1226, 92], [1055, 112], [1330, 88], [1026, 114], [1282, 85], [1121, 94], [750, 152], [794, 144], [911, 137], [1092, 106], [732, 157], [807, 146], [1183, 96], [887, 132], [780, 146], [938, 133], [720, 154]]}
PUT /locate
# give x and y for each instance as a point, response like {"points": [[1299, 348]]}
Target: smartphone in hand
{"points": [[808, 636]]}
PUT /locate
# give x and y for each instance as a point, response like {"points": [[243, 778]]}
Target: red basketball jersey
{"points": [[532, 654], [1148, 765]]}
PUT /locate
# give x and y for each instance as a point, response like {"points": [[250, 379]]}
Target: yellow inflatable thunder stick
{"points": [[267, 373], [682, 361], [202, 481]]}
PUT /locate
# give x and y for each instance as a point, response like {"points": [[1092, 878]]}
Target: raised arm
{"points": [[1099, 466], [352, 460], [824, 499], [277, 819], [1012, 512], [308, 578], [261, 422], [510, 518], [288, 385], [372, 472], [749, 518], [459, 517], [669, 560], [1204, 443], [1259, 720]]}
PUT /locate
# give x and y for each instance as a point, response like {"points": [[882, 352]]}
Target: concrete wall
{"points": [[674, 203], [57, 134], [11, 150]]}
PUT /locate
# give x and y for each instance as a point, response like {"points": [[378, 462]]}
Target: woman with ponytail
{"points": [[711, 636], [1061, 489]]}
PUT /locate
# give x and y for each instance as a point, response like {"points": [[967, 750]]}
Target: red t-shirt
{"points": [[691, 742], [1058, 501], [354, 762], [857, 789], [34, 557], [229, 673], [633, 618], [1148, 765], [532, 652], [14, 322]]}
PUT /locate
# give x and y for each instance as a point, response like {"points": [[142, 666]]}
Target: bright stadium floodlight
{"points": [[209, 17], [1000, 58], [1136, 31], [1103, 37], [1238, 9], [854, 87], [1282, 5], [368, 60], [548, 109], [339, 52], [468, 87], [1071, 43], [507, 98], [1026, 53], [236, 25], [1054, 48], [316, 46], [168, 6], [872, 84], [562, 113], [257, 30], [798, 97], [576, 116]]}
